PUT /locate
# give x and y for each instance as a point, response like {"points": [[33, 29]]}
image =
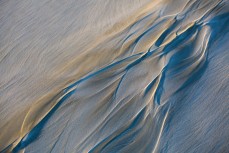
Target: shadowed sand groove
{"points": [[108, 76]]}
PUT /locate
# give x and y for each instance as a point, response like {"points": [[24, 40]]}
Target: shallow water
{"points": [[109, 76]]}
